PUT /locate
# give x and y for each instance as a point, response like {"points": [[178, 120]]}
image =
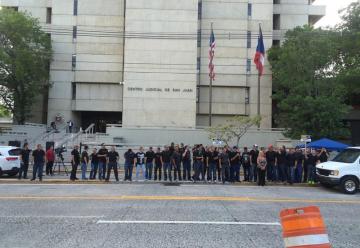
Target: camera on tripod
{"points": [[59, 152]]}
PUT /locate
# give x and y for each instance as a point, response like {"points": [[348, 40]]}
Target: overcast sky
{"points": [[332, 7]]}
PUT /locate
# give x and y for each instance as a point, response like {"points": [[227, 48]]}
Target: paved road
{"points": [[155, 215]]}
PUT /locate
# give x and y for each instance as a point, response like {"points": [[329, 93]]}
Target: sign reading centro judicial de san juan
{"points": [[159, 89]]}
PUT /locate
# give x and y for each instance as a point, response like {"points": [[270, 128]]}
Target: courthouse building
{"points": [[144, 63]]}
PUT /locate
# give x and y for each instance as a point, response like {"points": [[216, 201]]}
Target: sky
{"points": [[332, 7]]}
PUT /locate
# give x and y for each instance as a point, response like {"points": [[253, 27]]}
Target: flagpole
{"points": [[210, 94], [258, 97]]}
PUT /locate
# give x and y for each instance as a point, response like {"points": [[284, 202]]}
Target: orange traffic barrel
{"points": [[304, 228]]}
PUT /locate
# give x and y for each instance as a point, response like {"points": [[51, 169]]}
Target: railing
{"points": [[74, 137]]}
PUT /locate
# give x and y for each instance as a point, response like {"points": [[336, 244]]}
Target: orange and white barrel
{"points": [[304, 228]]}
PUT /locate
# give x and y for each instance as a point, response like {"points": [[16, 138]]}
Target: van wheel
{"points": [[349, 185]]}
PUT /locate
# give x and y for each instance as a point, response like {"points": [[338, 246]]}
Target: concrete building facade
{"points": [[144, 63]]}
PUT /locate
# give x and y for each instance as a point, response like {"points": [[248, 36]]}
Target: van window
{"points": [[347, 156], [14, 152]]}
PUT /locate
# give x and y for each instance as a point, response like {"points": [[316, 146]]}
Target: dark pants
{"points": [[38, 168], [305, 168], [102, 169], [49, 168], [73, 171], [149, 169], [291, 174], [298, 173], [157, 171], [261, 177], [94, 168], [246, 172], [253, 172], [282, 172], [235, 173], [128, 171], [177, 171], [167, 171], [218, 170], [204, 172], [23, 170], [112, 166], [270, 171], [311, 169], [225, 172], [198, 169], [187, 170], [212, 171]]}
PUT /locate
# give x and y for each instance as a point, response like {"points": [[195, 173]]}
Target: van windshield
{"points": [[347, 156]]}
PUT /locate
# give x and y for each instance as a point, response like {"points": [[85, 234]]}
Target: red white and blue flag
{"points": [[259, 59], [212, 45]]}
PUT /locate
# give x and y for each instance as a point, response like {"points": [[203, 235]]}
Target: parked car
{"points": [[343, 171], [9, 160]]}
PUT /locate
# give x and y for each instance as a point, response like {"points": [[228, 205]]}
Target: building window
{"points": [[249, 9], [75, 7], [73, 62], [199, 9], [14, 8], [276, 43], [276, 22], [74, 32], [276, 1], [248, 39], [73, 90], [248, 65], [48, 15]]}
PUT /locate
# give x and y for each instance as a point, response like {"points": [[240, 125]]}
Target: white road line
{"points": [[50, 217], [187, 222]]}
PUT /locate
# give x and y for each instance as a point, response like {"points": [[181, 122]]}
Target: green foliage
{"points": [[25, 54], [234, 128], [4, 112]]}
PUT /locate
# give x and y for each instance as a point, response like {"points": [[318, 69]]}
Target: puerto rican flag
{"points": [[212, 45], [259, 59]]}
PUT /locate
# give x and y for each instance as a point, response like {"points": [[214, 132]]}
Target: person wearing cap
{"points": [[254, 153], [271, 167], [149, 158], [234, 156]]}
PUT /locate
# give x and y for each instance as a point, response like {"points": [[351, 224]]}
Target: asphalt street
{"points": [[158, 215]]}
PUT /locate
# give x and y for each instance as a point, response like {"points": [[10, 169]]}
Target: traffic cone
{"points": [[304, 228]]}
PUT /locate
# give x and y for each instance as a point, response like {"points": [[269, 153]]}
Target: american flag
{"points": [[212, 45]]}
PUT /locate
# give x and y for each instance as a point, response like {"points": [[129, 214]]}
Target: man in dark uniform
{"points": [[290, 160], [212, 159], [157, 170], [25, 157], [75, 161], [113, 158], [271, 166], [245, 161], [39, 161], [299, 163], [129, 164], [186, 160], [149, 163], [176, 162], [224, 162], [166, 163], [102, 155], [94, 164], [254, 153], [234, 156], [198, 162]]}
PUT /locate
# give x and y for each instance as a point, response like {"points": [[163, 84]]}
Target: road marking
{"points": [[187, 222], [50, 217], [179, 198]]}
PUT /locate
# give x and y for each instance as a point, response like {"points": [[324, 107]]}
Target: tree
{"points": [[25, 54], [309, 97], [4, 112], [234, 128]]}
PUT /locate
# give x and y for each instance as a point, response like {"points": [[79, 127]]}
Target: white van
{"points": [[343, 171], [9, 160]]}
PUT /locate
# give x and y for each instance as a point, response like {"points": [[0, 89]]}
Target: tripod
{"points": [[60, 162]]}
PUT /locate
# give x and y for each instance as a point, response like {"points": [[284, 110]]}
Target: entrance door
{"points": [[100, 119]]}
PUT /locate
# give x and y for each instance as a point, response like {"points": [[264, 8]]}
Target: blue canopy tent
{"points": [[325, 143]]}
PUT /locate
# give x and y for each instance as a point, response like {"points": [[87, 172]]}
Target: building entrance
{"points": [[100, 119]]}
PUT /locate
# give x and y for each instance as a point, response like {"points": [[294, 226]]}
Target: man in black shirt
{"points": [[25, 157], [84, 162], [245, 161], [112, 158], [158, 165], [271, 164], [290, 160], [323, 156], [198, 162], [149, 158], [75, 161], [39, 161], [311, 161], [166, 163], [281, 161], [299, 165], [129, 164], [254, 153], [140, 163], [212, 159], [186, 161], [234, 156], [176, 162], [224, 162], [102, 155], [94, 164]]}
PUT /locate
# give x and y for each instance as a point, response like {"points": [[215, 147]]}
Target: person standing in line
{"points": [[186, 160], [39, 159], [129, 164], [199, 163], [212, 158], [271, 164], [299, 165], [176, 163], [205, 172], [218, 167], [102, 155], [24, 164], [149, 158], [281, 161], [235, 165], [311, 161], [262, 163], [290, 160], [50, 158], [84, 162], [113, 159], [245, 161], [158, 165], [75, 161], [224, 162], [324, 155], [140, 163], [94, 164], [254, 153], [166, 163]]}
